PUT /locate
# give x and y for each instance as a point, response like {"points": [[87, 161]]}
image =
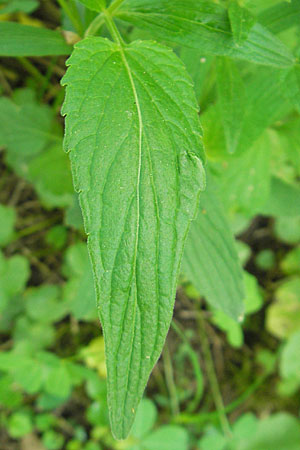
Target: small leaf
{"points": [[24, 40], [145, 419], [14, 273], [287, 229], [167, 437], [283, 315], [53, 440], [290, 358], [19, 424], [139, 187], [210, 258], [291, 262], [25, 126], [54, 185], [58, 382], [284, 200], [79, 291], [42, 304], [241, 21]]}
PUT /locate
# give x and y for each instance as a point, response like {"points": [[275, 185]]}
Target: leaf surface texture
{"points": [[135, 145]]}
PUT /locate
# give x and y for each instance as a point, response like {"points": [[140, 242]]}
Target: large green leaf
{"points": [[204, 25], [210, 258], [24, 40], [133, 133]]}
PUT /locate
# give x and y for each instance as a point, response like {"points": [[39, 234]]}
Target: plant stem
{"points": [[196, 366], [36, 227], [112, 28], [208, 417], [72, 13], [95, 25], [212, 378], [170, 380], [32, 70]]}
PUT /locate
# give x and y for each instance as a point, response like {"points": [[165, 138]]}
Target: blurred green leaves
{"points": [[210, 259], [33, 141], [277, 432], [7, 220], [12, 6], [166, 437]]}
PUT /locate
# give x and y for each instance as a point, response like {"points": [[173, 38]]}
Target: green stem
{"points": [[213, 380], [47, 77], [36, 227], [208, 417], [170, 380], [112, 28], [196, 366], [73, 14], [32, 70], [95, 25]]}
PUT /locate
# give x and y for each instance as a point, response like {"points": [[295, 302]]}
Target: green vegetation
{"points": [[180, 176]]}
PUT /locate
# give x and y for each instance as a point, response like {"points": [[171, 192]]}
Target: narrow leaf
{"points": [[210, 258], [241, 21], [232, 101], [204, 25], [25, 40], [134, 138]]}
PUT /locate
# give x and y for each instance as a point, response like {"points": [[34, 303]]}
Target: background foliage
{"points": [[52, 368]]}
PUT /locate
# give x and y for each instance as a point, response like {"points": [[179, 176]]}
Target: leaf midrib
{"points": [[138, 108]]}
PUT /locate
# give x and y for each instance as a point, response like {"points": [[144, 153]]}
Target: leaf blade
{"points": [[141, 201]]}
